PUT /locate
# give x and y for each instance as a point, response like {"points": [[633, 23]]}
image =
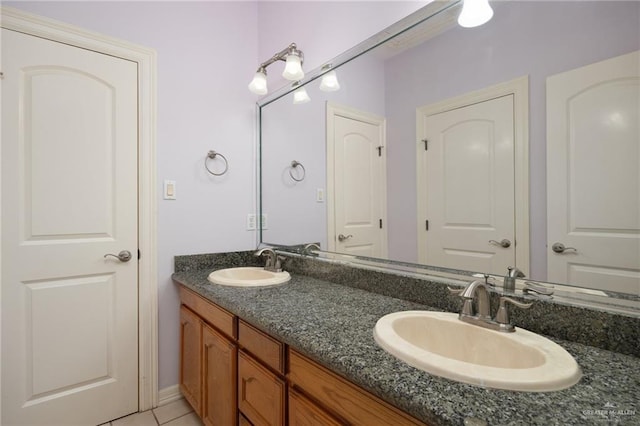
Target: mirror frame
{"points": [[564, 293]]}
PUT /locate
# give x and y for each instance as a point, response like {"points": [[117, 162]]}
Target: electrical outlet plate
{"points": [[263, 221], [251, 222]]}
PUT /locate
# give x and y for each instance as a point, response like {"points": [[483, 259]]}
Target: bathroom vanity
{"points": [[228, 365], [304, 353]]}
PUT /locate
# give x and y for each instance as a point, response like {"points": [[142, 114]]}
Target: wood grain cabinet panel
{"points": [[243, 420], [261, 394], [211, 313], [261, 346], [219, 369], [190, 357], [344, 399], [303, 412]]}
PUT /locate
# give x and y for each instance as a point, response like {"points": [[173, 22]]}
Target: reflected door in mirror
{"points": [[358, 194], [593, 177], [466, 187]]}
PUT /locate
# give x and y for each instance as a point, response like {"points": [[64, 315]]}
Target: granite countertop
{"points": [[333, 324]]}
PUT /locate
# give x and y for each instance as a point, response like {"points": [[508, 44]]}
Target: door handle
{"points": [[504, 243], [343, 237], [560, 248], [123, 256]]}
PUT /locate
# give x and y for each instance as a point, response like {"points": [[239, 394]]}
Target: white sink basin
{"points": [[248, 277], [442, 345]]}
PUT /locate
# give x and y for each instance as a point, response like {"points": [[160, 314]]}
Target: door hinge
{"points": [[138, 254], [426, 144], [380, 150], [380, 223], [426, 225]]}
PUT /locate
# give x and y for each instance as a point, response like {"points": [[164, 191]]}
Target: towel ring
{"points": [[295, 164], [212, 155]]}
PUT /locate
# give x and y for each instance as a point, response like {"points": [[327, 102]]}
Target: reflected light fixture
{"points": [[293, 58], [300, 95], [475, 13], [329, 82]]}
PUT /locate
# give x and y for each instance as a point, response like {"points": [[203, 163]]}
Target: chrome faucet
{"points": [[273, 262], [477, 290], [309, 248], [509, 283]]}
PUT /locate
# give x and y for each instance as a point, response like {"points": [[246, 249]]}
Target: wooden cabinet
{"points": [[232, 373], [303, 412], [342, 398], [208, 360], [219, 366], [261, 383], [261, 394], [190, 357]]}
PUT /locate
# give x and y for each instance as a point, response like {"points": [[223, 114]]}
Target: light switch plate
{"points": [[169, 190]]}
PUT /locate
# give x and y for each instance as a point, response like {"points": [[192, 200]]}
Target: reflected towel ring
{"points": [[212, 155], [295, 164]]}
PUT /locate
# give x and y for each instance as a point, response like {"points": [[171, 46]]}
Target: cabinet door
{"points": [[190, 357], [260, 393], [219, 367], [303, 412]]}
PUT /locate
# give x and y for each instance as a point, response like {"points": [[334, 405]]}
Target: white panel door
{"points": [[593, 175], [466, 187], [69, 196], [359, 193]]}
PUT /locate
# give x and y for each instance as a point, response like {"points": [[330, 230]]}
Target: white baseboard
{"points": [[169, 394]]}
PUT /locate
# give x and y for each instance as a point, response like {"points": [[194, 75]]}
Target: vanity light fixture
{"points": [[475, 13], [300, 96], [292, 69], [329, 82]]}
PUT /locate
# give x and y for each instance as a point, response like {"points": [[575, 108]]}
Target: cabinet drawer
{"points": [[211, 313], [344, 399], [261, 394], [261, 346], [303, 412]]}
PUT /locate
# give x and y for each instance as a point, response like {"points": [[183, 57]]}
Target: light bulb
{"points": [[475, 13], [259, 83], [329, 82], [301, 96], [293, 68]]}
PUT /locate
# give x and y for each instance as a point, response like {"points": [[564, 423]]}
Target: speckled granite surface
{"points": [[605, 330], [333, 325]]}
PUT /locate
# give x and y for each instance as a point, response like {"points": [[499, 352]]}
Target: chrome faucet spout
{"points": [[273, 262], [477, 290]]}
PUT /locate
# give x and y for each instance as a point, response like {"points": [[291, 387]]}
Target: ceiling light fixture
{"points": [[475, 13], [329, 82], [292, 69]]}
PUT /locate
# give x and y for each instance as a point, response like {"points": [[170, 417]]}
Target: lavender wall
{"points": [[295, 216], [323, 29], [203, 104], [538, 39], [207, 53]]}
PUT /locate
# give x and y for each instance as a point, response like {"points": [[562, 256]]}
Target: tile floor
{"points": [[177, 413]]}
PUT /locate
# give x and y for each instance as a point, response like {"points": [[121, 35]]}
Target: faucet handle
{"points": [[455, 291], [530, 287], [502, 317], [278, 263]]}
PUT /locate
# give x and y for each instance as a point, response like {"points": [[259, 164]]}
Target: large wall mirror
{"points": [[512, 144]]}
